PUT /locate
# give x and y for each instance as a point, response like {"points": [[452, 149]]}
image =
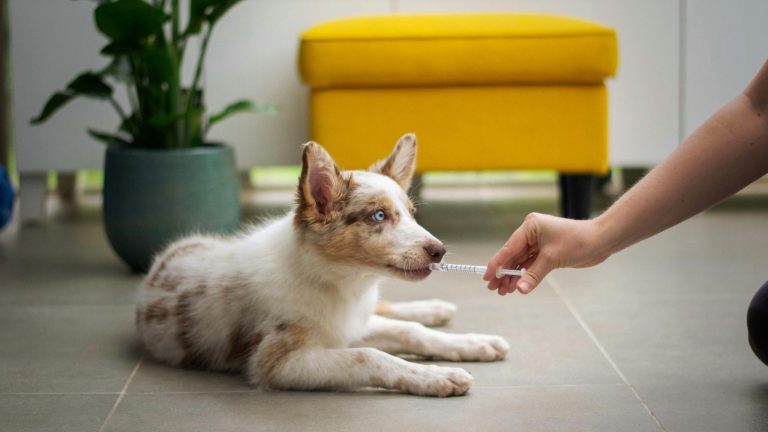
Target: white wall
{"points": [[726, 43], [254, 53], [51, 42]]}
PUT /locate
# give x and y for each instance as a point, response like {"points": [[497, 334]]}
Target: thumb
{"points": [[539, 269]]}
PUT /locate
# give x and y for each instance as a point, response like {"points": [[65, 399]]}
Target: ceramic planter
{"points": [[152, 197]]}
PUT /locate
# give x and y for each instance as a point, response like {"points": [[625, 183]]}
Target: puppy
{"points": [[291, 302]]}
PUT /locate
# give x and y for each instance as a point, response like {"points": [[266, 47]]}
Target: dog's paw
{"points": [[472, 347], [428, 312], [430, 380]]}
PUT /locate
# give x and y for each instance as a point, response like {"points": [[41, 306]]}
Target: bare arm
{"points": [[726, 153]]}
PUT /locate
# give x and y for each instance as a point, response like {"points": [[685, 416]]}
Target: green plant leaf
{"points": [[90, 84], [129, 20], [220, 9], [120, 48], [107, 138], [130, 125], [198, 11], [158, 62], [233, 108], [164, 119], [201, 11], [58, 100]]}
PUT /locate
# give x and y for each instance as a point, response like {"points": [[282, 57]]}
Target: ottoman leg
{"points": [[575, 195]]}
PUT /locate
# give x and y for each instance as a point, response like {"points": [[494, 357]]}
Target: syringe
{"points": [[466, 268]]}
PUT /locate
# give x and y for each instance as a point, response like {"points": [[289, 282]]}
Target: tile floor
{"points": [[652, 340]]}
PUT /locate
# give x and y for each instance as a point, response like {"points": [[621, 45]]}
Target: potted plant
{"points": [[162, 179]]}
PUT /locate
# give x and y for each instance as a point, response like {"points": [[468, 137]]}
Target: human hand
{"points": [[541, 244]]}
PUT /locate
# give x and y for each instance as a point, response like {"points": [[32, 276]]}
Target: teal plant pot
{"points": [[153, 197]]}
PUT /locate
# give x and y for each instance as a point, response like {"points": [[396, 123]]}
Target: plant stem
{"points": [[174, 85], [193, 89], [175, 23], [144, 99]]}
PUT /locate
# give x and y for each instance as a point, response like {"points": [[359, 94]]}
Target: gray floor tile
{"points": [[675, 340], [54, 413], [548, 346], [600, 408], [673, 308], [65, 262], [154, 376], [66, 348], [713, 405]]}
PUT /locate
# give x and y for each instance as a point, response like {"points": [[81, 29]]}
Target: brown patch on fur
{"points": [[378, 381], [169, 283], [341, 185], [347, 241], [401, 383], [365, 213], [274, 355], [360, 357], [401, 163], [383, 307], [193, 357], [156, 311], [242, 344]]}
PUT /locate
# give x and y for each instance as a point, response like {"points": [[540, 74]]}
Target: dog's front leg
{"points": [[428, 312], [351, 368], [404, 337]]}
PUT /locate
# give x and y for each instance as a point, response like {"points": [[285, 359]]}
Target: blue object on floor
{"points": [[6, 198]]}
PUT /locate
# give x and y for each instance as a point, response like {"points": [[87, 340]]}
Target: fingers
{"points": [[508, 285], [538, 268], [533, 276], [515, 247]]}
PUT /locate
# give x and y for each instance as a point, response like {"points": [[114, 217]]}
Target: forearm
{"points": [[729, 151]]}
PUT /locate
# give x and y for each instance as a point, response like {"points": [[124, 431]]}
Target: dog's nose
{"points": [[435, 251]]}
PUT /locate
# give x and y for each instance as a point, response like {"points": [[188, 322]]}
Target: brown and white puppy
{"points": [[291, 302]]}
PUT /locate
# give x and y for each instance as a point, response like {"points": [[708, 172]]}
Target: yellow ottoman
{"points": [[482, 92]]}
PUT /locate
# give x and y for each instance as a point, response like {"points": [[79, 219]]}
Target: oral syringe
{"points": [[466, 268]]}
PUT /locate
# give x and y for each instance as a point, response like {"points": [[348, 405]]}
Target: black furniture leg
{"points": [[575, 195]]}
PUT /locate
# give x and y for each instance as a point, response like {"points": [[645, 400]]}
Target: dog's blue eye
{"points": [[379, 215]]}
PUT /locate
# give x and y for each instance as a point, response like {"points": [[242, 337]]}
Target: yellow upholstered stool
{"points": [[499, 91]]}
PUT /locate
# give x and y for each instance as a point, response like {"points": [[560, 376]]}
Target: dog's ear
{"points": [[321, 184], [401, 163]]}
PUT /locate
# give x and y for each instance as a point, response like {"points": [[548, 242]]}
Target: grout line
{"points": [[122, 394], [583, 324]]}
